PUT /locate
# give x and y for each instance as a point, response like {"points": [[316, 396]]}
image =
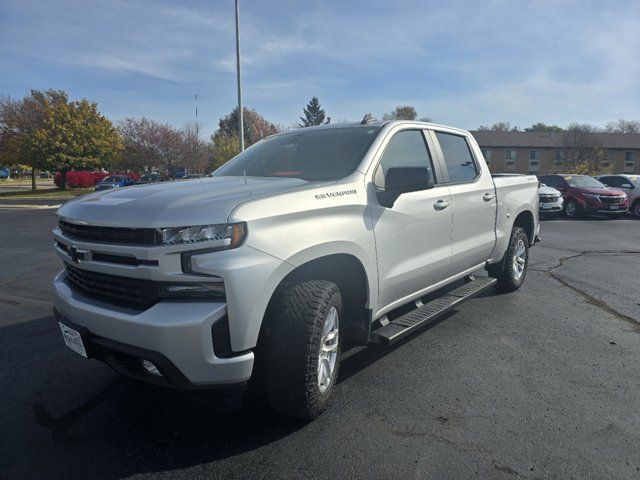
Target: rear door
{"points": [[413, 237], [473, 201]]}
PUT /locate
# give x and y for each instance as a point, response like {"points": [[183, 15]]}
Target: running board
{"points": [[421, 316]]}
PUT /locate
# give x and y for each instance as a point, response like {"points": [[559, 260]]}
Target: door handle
{"points": [[487, 197], [441, 204]]}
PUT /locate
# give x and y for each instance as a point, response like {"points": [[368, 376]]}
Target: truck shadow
{"points": [[132, 427]]}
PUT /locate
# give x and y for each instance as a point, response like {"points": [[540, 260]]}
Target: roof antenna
{"points": [[368, 118]]}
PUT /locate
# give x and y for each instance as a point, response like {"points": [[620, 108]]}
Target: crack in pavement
{"points": [[588, 297]]}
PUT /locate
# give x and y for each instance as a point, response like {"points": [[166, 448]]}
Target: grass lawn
{"points": [[47, 193]]}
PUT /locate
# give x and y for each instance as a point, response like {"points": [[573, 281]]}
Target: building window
{"points": [[534, 155], [487, 156], [509, 155], [629, 162], [558, 159], [533, 163]]}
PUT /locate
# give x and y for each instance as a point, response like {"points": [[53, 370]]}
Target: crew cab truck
{"points": [[304, 239]]}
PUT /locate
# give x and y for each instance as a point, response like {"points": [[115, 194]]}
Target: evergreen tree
{"points": [[313, 114]]}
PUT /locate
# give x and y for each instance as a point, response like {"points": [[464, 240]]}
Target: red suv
{"points": [[585, 195]]}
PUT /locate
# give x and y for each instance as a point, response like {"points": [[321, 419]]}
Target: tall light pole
{"points": [[240, 114]]}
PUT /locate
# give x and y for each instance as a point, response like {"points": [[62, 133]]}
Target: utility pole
{"points": [[197, 133], [240, 113]]}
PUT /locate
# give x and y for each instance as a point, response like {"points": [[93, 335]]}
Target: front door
{"points": [[413, 237]]}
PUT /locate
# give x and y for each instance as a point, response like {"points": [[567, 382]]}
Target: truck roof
{"points": [[377, 123]]}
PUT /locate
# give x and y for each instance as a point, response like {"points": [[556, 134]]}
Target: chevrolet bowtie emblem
{"points": [[79, 255]]}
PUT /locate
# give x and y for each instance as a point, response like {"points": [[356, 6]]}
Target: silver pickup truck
{"points": [[362, 231]]}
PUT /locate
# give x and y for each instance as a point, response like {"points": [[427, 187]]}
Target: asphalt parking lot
{"points": [[540, 383]]}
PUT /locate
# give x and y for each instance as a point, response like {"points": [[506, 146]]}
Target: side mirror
{"points": [[399, 180]]}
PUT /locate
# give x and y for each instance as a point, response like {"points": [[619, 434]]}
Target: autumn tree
{"points": [[225, 148], [19, 121], [196, 152], [582, 151], [401, 112], [313, 114], [47, 131], [256, 127]]}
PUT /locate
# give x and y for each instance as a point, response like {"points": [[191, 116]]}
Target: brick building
{"points": [[541, 152]]}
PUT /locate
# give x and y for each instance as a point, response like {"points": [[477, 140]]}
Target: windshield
{"points": [[313, 155], [584, 182]]}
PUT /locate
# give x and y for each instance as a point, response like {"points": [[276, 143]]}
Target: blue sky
{"points": [[463, 63]]}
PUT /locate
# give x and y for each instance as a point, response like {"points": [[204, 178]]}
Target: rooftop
{"points": [[489, 138]]}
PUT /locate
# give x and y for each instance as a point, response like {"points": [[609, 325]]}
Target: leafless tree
{"points": [[623, 126], [500, 127]]}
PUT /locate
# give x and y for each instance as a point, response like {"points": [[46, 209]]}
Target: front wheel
{"points": [[302, 348], [571, 209], [512, 270]]}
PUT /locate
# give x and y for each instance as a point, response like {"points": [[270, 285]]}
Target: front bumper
{"points": [[551, 207], [178, 331]]}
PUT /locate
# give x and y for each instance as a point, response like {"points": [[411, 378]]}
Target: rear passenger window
{"points": [[460, 164], [406, 149]]}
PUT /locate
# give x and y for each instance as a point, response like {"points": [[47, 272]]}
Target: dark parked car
{"points": [[4, 173], [190, 176], [114, 181], [150, 178], [630, 184], [584, 195]]}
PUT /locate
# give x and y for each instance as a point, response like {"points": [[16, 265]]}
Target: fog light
{"points": [[150, 367]]}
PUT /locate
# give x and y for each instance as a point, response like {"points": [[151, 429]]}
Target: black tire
{"points": [[291, 346], [572, 211], [635, 209], [505, 271]]}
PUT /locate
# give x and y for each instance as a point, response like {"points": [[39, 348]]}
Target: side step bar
{"points": [[412, 321]]}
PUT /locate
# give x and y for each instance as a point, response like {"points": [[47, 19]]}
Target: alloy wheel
{"points": [[328, 350], [519, 260]]}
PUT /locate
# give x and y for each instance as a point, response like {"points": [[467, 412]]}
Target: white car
{"points": [[304, 239], [551, 200]]}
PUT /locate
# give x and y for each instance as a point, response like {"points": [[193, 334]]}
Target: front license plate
{"points": [[73, 340], [546, 205], [614, 207]]}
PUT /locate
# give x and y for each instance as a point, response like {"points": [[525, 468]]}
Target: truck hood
{"points": [[199, 201]]}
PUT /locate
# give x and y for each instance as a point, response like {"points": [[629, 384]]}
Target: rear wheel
{"points": [[302, 348], [635, 209], [513, 269], [571, 209]]}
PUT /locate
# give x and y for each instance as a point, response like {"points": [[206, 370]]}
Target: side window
{"points": [[609, 181], [460, 164], [406, 149]]}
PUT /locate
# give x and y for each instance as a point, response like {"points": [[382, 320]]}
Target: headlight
{"points": [[225, 236]]}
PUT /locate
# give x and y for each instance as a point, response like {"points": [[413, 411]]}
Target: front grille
{"points": [[548, 198], [131, 292], [128, 236], [611, 200]]}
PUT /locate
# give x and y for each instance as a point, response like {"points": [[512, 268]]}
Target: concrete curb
{"points": [[19, 206]]}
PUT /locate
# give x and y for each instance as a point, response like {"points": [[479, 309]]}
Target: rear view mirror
{"points": [[399, 180]]}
